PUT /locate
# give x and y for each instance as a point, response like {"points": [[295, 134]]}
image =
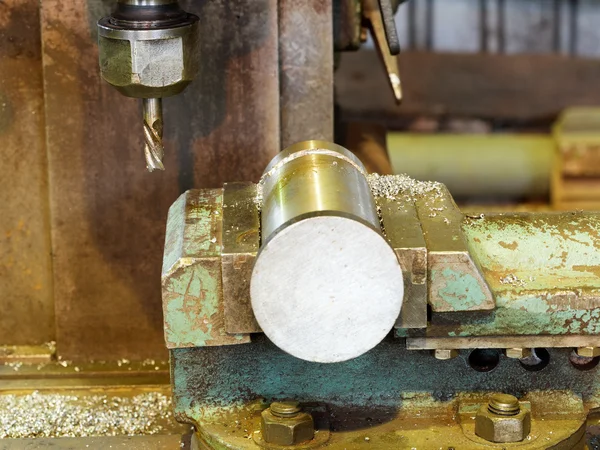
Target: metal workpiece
{"points": [[314, 177], [149, 49], [326, 285]]}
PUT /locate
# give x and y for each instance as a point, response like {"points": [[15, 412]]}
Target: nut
{"points": [[503, 420], [444, 354], [588, 352], [286, 425], [149, 63], [518, 353]]}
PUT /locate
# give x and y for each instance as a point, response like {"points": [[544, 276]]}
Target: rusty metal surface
{"points": [[225, 126], [306, 70], [241, 241], [225, 389], [108, 214], [26, 301], [192, 291]]}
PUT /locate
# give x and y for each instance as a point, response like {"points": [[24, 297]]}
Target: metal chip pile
{"points": [[389, 186], [56, 415]]}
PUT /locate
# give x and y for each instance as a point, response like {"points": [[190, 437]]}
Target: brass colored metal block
{"points": [[241, 241], [403, 231]]}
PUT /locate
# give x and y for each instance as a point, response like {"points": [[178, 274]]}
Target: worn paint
{"points": [[193, 227], [232, 375], [192, 287], [543, 272], [459, 289], [548, 250]]}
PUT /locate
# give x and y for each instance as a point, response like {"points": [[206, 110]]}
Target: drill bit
{"points": [[153, 132]]}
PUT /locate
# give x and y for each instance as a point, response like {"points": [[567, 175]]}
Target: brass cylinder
{"points": [[326, 285], [314, 177]]}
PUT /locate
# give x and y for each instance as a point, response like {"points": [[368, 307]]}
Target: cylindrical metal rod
{"points": [[153, 132], [326, 285]]}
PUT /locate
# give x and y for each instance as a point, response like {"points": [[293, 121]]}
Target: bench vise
{"points": [[325, 307]]}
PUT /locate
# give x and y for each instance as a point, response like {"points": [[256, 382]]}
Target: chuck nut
{"points": [[149, 63], [285, 424], [503, 420]]}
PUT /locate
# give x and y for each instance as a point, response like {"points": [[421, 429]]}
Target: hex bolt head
{"points": [[445, 354], [502, 420], [588, 352], [518, 353], [284, 423]]}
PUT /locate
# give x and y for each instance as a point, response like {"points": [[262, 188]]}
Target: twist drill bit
{"points": [[153, 132]]}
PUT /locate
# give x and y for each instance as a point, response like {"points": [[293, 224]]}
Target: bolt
{"points": [[588, 352], [504, 405], [445, 354], [518, 353], [285, 409], [284, 423], [503, 420]]}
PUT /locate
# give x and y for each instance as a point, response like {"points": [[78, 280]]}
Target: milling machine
{"points": [[324, 307]]}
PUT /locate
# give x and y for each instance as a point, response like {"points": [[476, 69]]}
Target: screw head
{"points": [[588, 352], [518, 353], [445, 354]]}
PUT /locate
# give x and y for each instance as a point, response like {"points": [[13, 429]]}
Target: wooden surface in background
{"points": [[108, 212], [27, 310], [511, 87]]}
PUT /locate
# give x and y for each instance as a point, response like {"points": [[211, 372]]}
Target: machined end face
{"points": [[153, 57], [326, 286]]}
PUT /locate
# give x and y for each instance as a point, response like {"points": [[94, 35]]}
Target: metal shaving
{"points": [[389, 186], [55, 415], [512, 280]]}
